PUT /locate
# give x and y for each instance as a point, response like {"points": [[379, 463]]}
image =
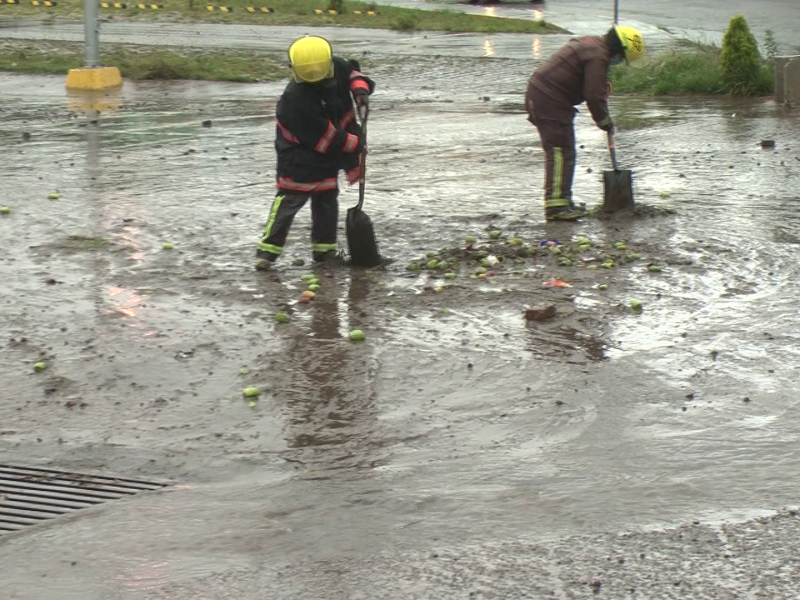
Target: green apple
{"points": [[40, 366], [251, 392], [281, 317], [356, 335]]}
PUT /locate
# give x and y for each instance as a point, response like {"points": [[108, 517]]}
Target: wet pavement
{"points": [[457, 452]]}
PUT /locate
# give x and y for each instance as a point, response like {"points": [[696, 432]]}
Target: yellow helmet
{"points": [[311, 59], [632, 42]]}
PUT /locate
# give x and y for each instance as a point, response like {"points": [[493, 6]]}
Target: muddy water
{"points": [[454, 421]]}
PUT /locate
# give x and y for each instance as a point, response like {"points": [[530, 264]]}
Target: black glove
{"points": [[362, 97]]}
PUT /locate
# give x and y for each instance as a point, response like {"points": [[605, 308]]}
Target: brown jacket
{"points": [[576, 73]]}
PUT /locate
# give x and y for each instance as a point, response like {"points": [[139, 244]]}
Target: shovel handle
{"points": [[612, 149], [362, 172]]}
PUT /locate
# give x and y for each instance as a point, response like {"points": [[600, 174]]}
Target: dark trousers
{"points": [[557, 135], [324, 220]]}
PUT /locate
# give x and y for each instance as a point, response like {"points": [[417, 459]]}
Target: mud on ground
{"points": [[456, 421]]}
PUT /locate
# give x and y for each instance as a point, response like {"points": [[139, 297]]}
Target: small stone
{"points": [[767, 143], [746, 399], [540, 313], [207, 123]]}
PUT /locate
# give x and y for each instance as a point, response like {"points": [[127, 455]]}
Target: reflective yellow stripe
{"points": [[273, 213], [271, 248], [324, 247], [558, 171]]}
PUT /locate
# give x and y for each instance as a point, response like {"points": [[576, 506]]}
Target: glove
{"points": [[609, 126], [361, 97]]}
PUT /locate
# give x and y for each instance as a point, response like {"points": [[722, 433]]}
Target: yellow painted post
{"points": [[93, 76]]}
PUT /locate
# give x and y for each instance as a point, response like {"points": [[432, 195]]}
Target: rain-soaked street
{"points": [[459, 451]]}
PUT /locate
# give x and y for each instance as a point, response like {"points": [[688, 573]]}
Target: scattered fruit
{"points": [[633, 256], [442, 265], [602, 286], [308, 277], [470, 239], [40, 366], [654, 269], [53, 196], [4, 210], [494, 234], [485, 262], [356, 335], [636, 304], [515, 242], [313, 287], [304, 300], [432, 264], [480, 271], [244, 371], [252, 404], [666, 194], [168, 246], [620, 245], [281, 317], [414, 266], [449, 275], [251, 392], [310, 294]]}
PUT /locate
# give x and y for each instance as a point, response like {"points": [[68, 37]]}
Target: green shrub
{"points": [[740, 60], [771, 48], [405, 23]]}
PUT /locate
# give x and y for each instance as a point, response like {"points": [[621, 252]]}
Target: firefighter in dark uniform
{"points": [[576, 73], [316, 136]]}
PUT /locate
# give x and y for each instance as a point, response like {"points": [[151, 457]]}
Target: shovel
{"points": [[618, 184], [360, 233]]}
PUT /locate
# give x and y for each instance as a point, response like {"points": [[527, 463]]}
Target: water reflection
{"points": [[488, 48], [330, 400], [489, 11], [536, 47]]}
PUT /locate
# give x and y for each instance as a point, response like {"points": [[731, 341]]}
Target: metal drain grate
{"points": [[31, 495]]}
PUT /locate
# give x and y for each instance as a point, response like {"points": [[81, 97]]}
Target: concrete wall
{"points": [[787, 80]]}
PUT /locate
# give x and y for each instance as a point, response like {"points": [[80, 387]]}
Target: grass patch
{"points": [[143, 62], [297, 12], [79, 242], [691, 69]]}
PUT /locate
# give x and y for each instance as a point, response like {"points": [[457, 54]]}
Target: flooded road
{"points": [[458, 447]]}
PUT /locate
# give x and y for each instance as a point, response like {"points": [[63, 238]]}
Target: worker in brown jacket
{"points": [[576, 73]]}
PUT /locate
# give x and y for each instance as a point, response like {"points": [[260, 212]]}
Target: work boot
{"points": [[331, 258], [564, 213], [264, 260]]}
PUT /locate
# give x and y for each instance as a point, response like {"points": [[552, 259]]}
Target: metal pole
{"points": [[616, 11], [92, 32]]}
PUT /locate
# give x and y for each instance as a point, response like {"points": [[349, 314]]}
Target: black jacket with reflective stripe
{"points": [[316, 124]]}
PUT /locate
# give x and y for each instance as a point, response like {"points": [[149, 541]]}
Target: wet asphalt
{"points": [[457, 452]]}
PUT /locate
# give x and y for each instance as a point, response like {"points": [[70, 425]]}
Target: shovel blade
{"points": [[618, 190], [361, 240]]}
